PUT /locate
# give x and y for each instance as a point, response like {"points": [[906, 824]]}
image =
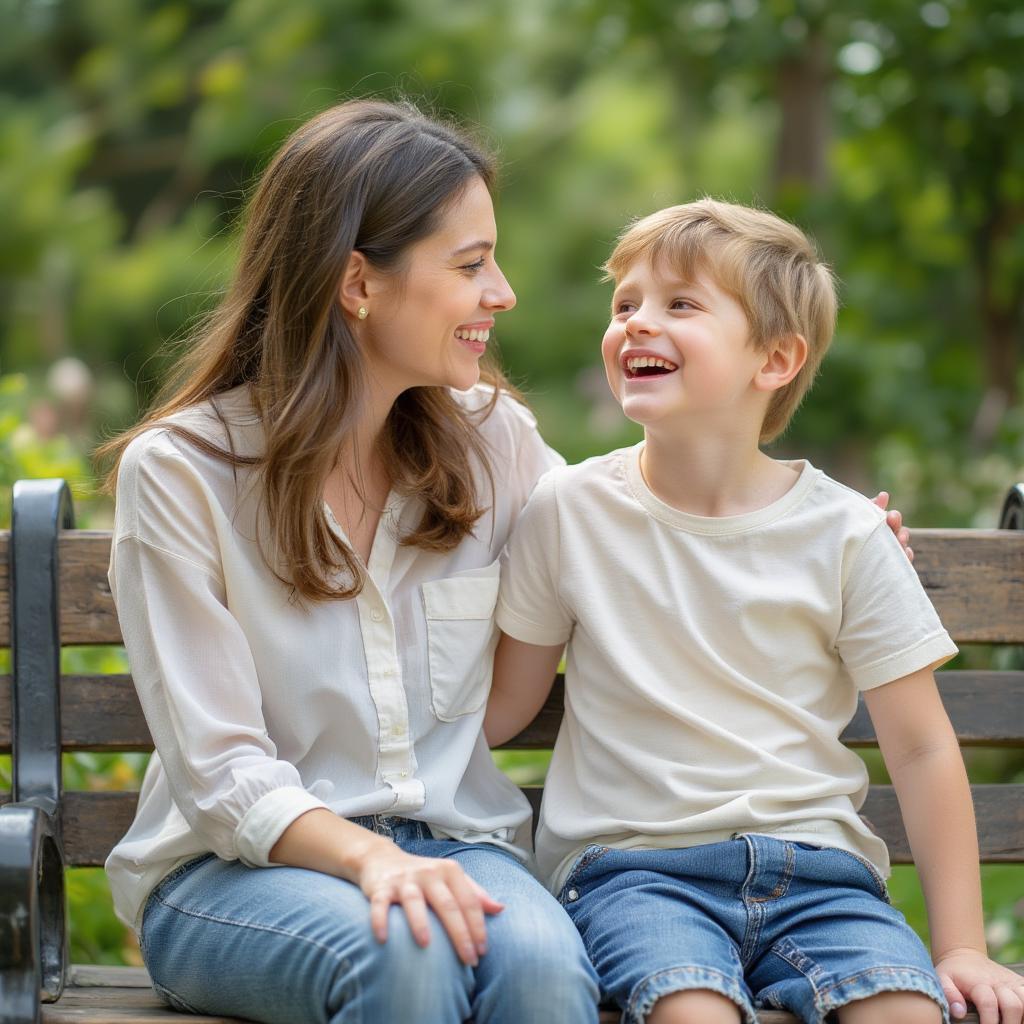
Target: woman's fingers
{"points": [[487, 902], [468, 895], [410, 895], [453, 919], [380, 904], [442, 886]]}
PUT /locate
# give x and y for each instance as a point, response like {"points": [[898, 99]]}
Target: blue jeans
{"points": [[763, 922], [285, 944]]}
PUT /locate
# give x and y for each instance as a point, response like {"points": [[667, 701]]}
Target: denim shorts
{"points": [[765, 923]]}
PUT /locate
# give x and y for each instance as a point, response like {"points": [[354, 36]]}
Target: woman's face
{"points": [[430, 324]]}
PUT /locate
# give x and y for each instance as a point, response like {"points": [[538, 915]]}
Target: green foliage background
{"points": [[132, 130]]}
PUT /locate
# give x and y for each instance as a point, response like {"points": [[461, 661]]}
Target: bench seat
{"points": [[122, 995]]}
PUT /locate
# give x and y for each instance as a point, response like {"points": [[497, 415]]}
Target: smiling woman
{"points": [[305, 569], [430, 325]]}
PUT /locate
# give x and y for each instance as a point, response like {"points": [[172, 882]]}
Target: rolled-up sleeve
{"points": [[193, 667]]}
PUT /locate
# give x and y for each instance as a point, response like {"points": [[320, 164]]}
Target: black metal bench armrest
{"points": [[32, 926], [32, 931], [1012, 517]]}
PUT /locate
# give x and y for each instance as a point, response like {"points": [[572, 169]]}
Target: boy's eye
{"points": [[682, 304], [624, 307]]}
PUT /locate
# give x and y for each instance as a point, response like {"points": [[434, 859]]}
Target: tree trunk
{"points": [[802, 89], [1002, 325]]}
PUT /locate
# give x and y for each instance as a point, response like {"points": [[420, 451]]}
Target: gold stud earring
{"points": [[363, 313]]}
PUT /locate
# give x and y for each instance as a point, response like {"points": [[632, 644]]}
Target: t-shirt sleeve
{"points": [[889, 627], [530, 607]]}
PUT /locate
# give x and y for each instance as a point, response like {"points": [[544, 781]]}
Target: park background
{"points": [[131, 132]]}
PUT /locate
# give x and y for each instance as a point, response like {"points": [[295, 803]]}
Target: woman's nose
{"points": [[499, 295]]}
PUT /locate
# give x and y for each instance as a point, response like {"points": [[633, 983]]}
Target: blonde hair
{"points": [[369, 176], [768, 265]]}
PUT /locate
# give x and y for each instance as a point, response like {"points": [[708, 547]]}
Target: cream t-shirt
{"points": [[712, 662], [262, 708]]}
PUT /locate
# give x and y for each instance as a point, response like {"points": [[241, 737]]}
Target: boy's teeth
{"points": [[639, 362]]}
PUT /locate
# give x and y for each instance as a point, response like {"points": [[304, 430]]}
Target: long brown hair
{"points": [[365, 175]]}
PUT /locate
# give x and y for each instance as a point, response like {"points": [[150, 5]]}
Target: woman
{"points": [[305, 569]]}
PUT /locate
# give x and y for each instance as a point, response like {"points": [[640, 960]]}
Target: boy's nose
{"points": [[640, 326]]}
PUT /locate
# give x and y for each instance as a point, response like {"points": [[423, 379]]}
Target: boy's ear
{"points": [[355, 286], [783, 361]]}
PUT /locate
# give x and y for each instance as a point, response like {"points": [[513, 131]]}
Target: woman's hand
{"points": [[996, 991], [321, 841], [393, 876], [895, 521]]}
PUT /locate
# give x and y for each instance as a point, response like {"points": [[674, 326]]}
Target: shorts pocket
{"points": [[586, 857], [461, 638], [877, 881]]}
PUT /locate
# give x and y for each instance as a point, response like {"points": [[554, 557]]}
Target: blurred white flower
{"points": [[70, 380]]}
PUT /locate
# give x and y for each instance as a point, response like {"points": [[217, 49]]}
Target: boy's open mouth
{"points": [[647, 366]]}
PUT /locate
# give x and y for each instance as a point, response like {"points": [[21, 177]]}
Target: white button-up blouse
{"points": [[261, 707]]}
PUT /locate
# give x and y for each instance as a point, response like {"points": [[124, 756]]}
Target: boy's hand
{"points": [[996, 991], [895, 521]]}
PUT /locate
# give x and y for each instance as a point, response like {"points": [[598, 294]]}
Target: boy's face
{"points": [[695, 339]]}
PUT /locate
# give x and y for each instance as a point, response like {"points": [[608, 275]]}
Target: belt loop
{"points": [[382, 825]]}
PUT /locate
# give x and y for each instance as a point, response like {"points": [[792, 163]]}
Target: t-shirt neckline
{"points": [[717, 525]]}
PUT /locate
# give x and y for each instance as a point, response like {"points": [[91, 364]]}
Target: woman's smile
{"points": [[475, 336]]}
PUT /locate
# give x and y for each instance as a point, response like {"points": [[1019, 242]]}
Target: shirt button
{"points": [[402, 775], [398, 730], [572, 895], [376, 614]]}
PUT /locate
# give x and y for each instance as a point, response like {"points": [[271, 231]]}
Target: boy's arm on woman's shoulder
{"points": [[523, 676]]}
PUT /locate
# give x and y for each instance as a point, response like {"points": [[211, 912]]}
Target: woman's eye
{"points": [[475, 267]]}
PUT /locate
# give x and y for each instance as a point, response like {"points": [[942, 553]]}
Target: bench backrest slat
{"points": [[102, 713], [87, 610], [94, 822], [973, 577]]}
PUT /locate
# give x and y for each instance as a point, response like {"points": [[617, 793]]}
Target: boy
{"points": [[723, 610]]}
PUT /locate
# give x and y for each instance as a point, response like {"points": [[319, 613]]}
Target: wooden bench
{"points": [[53, 592]]}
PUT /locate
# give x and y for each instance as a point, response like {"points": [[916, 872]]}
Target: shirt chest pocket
{"points": [[461, 637]]}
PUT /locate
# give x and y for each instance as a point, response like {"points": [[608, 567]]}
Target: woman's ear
{"points": [[783, 361], [354, 286]]}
